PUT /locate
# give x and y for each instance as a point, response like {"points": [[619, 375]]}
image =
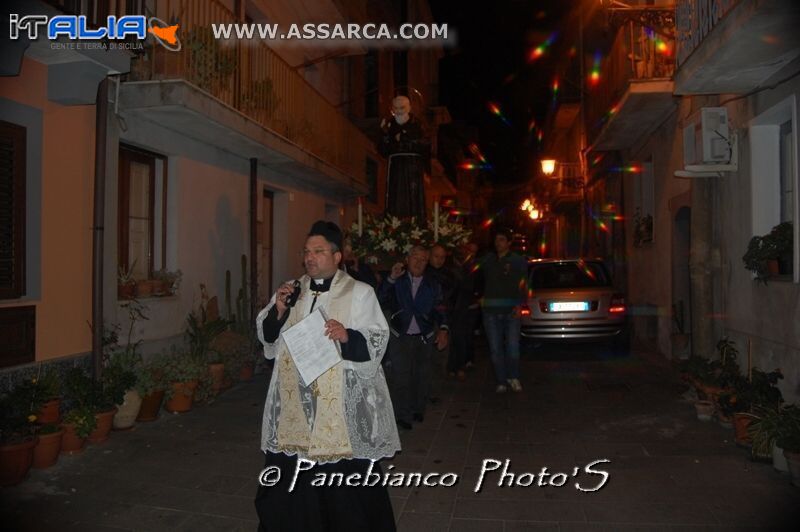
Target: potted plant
{"points": [[119, 380], [49, 390], [150, 386], [78, 424], [46, 452], [789, 441], [120, 365], [758, 391], [170, 281], [771, 254], [126, 284], [201, 331], [182, 371], [765, 429], [17, 433], [96, 397]]}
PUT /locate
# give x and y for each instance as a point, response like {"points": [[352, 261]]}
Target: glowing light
{"points": [[597, 159], [525, 205], [531, 125], [495, 109], [468, 166], [487, 222], [585, 269], [543, 246], [555, 86], [539, 51], [631, 169], [594, 75], [539, 136], [548, 166], [614, 110], [534, 214], [663, 48]]}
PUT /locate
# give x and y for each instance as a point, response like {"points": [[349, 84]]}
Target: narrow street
{"points": [[667, 470]]}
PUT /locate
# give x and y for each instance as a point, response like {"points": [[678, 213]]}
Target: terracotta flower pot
{"points": [[151, 404], [247, 371], [144, 288], [126, 291], [15, 461], [705, 410], [182, 397], [127, 411], [104, 422], [741, 421], [71, 443], [47, 450], [217, 372], [773, 267], [50, 412]]}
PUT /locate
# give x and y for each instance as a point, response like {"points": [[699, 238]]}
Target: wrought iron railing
{"points": [[253, 79], [694, 19], [639, 53]]}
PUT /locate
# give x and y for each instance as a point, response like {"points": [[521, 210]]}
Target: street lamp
{"points": [[548, 166]]}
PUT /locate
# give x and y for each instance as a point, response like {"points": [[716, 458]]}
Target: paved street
{"points": [[666, 469]]}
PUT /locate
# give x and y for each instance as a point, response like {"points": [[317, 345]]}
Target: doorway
{"points": [[681, 285]]}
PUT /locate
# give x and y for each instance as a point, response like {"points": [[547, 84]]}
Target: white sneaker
{"points": [[501, 388], [515, 385]]}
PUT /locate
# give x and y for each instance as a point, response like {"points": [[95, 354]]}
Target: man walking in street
{"points": [[505, 291], [343, 421], [414, 301]]}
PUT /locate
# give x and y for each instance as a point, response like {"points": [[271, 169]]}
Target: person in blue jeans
{"points": [[505, 291]]}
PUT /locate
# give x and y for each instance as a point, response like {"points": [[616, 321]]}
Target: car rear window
{"points": [[580, 274]]}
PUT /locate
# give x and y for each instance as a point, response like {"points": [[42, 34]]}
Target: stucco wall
{"points": [[60, 287], [767, 315], [649, 266]]}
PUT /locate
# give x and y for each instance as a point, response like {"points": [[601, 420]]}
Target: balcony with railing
{"points": [[634, 93], [733, 46], [254, 80], [566, 184]]}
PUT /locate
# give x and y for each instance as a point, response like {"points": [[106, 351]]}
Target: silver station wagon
{"points": [[572, 299]]}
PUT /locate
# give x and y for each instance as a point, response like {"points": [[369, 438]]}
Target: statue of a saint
{"points": [[409, 157]]}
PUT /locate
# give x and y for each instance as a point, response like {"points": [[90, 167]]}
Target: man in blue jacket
{"points": [[419, 325]]}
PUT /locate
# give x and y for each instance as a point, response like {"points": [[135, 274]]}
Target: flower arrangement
{"points": [[386, 240]]}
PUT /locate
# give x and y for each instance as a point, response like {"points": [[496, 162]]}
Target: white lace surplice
{"points": [[367, 407]]}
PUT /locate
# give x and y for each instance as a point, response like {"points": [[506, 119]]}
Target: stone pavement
{"points": [[667, 471]]}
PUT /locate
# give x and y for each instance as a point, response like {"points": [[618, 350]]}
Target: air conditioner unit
{"points": [[709, 147]]}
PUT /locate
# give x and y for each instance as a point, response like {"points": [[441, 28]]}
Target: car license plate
{"points": [[569, 306]]}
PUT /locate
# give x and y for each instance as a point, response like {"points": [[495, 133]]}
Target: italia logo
{"points": [[77, 28]]}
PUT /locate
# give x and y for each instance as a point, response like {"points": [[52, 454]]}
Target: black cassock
{"points": [[409, 157]]}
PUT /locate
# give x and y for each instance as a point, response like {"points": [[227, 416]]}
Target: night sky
{"points": [[490, 64]]}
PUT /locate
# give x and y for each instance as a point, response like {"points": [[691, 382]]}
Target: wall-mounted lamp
{"points": [[548, 166]]}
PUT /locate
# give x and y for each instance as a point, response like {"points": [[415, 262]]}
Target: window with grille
{"points": [[12, 210]]}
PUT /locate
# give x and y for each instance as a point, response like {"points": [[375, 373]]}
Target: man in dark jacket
{"points": [[413, 300]]}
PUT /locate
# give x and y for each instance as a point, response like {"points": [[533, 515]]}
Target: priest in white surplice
{"points": [[342, 421]]}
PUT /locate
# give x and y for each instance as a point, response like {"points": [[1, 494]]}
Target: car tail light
{"points": [[617, 305], [525, 310]]}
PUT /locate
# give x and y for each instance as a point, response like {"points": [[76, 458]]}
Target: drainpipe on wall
{"points": [[101, 117], [700, 269], [253, 240]]}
